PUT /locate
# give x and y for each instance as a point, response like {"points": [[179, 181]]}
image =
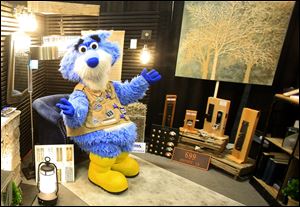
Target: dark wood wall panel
{"points": [[193, 93], [54, 82], [8, 26], [164, 19], [132, 22]]}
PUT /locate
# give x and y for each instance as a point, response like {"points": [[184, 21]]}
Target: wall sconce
{"points": [[22, 42], [47, 183], [27, 20], [146, 34], [145, 55]]}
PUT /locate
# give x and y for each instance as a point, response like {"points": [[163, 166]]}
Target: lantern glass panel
{"points": [[48, 183]]}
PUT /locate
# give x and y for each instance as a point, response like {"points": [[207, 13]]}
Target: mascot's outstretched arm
{"points": [[75, 109], [130, 92]]}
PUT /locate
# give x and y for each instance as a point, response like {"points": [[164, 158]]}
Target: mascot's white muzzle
{"points": [[93, 68], [92, 58]]}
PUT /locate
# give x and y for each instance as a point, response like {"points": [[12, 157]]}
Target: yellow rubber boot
{"points": [[126, 165], [100, 174]]}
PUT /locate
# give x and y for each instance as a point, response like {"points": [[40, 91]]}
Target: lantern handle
{"points": [[47, 159], [57, 186]]}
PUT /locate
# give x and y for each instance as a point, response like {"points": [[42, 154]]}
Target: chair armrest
{"points": [[62, 129], [46, 112]]}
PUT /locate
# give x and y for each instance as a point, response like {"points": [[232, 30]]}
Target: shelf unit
{"points": [[271, 194]]}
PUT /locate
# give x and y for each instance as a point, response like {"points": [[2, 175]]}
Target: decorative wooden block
{"points": [[169, 110], [216, 116], [190, 122], [243, 140], [63, 8]]}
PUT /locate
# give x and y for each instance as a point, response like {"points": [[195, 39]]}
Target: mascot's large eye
{"points": [[94, 45], [82, 49]]}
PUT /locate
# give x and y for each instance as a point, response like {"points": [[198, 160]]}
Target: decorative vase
{"points": [[292, 202]]}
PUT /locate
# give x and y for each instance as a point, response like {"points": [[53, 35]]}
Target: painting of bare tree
{"points": [[232, 41]]}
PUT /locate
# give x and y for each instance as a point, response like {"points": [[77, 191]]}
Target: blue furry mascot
{"points": [[94, 115]]}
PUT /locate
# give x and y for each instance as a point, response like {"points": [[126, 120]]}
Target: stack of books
{"points": [[271, 167]]}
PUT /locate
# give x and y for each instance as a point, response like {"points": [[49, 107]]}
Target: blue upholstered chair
{"points": [[48, 124]]}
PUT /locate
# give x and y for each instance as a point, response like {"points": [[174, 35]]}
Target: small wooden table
{"points": [[210, 141]]}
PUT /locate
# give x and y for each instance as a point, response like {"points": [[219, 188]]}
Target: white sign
{"points": [[61, 155], [133, 43], [139, 147]]}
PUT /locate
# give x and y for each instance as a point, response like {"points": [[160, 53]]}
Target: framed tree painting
{"points": [[232, 40]]}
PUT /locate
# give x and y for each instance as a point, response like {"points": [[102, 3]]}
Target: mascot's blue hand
{"points": [[151, 77], [66, 106]]}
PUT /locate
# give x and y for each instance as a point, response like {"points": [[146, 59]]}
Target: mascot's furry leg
{"points": [[100, 173]]}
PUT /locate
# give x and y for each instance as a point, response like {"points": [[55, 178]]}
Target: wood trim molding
{"points": [[63, 8]]}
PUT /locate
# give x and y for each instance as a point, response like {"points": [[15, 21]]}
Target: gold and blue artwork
{"points": [[235, 41]]}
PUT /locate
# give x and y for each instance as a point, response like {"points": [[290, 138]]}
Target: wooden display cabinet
{"points": [[169, 110], [244, 136], [273, 193], [216, 116]]}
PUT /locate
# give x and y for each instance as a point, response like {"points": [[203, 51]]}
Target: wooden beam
{"points": [[63, 8]]}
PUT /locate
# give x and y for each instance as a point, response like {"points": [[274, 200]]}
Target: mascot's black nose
{"points": [[92, 62]]}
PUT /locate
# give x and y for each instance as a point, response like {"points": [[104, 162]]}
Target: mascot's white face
{"points": [[90, 60], [93, 68]]}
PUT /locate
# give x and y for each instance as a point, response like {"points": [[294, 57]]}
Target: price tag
{"points": [[192, 158]]}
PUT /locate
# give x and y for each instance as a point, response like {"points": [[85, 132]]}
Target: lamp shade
{"points": [[44, 53]]}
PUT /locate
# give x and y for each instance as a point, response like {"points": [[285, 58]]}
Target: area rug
{"points": [[154, 186]]}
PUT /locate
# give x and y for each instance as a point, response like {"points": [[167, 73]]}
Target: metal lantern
{"points": [[47, 183]]}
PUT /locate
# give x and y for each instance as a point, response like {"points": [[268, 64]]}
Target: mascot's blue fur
{"points": [[94, 114], [103, 143]]}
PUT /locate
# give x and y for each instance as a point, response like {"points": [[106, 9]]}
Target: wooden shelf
{"points": [[272, 195], [288, 99], [278, 143], [271, 190], [281, 203]]}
